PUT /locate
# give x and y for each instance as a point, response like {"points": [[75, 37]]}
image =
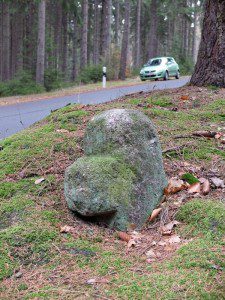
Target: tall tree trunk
{"points": [[96, 33], [75, 47], [138, 35], [84, 33], [117, 21], [210, 66], [90, 42], [30, 39], [6, 41], [58, 34], [49, 54], [106, 28], [17, 41], [152, 37], [196, 33], [40, 68], [64, 45], [170, 35], [125, 42]]}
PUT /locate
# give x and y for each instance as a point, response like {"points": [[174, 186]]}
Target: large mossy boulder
{"points": [[121, 177]]}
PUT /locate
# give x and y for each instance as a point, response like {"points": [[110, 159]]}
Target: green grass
{"points": [[162, 101], [203, 217], [30, 216], [190, 178]]}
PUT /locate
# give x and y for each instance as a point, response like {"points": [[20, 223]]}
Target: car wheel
{"points": [[177, 75], [166, 76]]}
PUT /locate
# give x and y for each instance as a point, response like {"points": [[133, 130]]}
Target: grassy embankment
{"points": [[39, 262]]}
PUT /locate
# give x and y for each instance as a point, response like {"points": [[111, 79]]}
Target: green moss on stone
{"points": [[106, 173]]}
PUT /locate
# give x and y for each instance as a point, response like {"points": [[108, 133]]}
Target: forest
{"points": [[112, 192], [47, 44]]}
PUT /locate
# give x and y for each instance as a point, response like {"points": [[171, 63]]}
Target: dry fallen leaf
{"points": [[205, 187], [66, 229], [202, 180], [154, 214], [218, 135], [124, 236], [168, 248], [194, 188], [184, 97], [150, 254], [131, 243], [174, 239], [175, 185], [167, 229], [161, 243], [37, 181], [62, 130], [97, 280], [150, 260]]}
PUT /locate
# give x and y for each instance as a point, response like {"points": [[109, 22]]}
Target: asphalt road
{"points": [[16, 117]]}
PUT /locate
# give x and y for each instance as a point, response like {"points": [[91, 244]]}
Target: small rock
{"points": [[174, 239], [217, 182], [18, 274], [39, 180], [161, 243], [150, 254]]}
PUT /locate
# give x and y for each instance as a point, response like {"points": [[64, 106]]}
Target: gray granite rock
{"points": [[121, 175]]}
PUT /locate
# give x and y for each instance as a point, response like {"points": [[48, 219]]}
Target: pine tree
{"points": [[210, 66], [41, 44]]}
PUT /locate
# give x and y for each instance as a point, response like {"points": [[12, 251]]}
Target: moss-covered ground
{"points": [[39, 262]]}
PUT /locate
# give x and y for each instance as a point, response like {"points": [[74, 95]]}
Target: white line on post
{"points": [[104, 77]]}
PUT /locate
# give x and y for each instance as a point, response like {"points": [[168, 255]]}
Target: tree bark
{"points": [[65, 45], [40, 68], [125, 42], [6, 41], [196, 33], [17, 40], [30, 38], [170, 34], [106, 28], [152, 37], [90, 42], [75, 47], [84, 34], [96, 33], [138, 35], [184, 30], [117, 22], [58, 34], [210, 66]]}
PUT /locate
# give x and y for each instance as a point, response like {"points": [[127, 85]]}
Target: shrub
{"points": [[52, 79], [22, 84], [91, 74], [186, 66]]}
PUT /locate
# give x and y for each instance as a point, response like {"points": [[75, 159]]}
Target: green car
{"points": [[160, 67]]}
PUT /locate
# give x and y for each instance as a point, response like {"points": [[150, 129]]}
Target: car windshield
{"points": [[155, 62]]}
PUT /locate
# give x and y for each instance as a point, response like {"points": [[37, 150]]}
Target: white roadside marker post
{"points": [[104, 77]]}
